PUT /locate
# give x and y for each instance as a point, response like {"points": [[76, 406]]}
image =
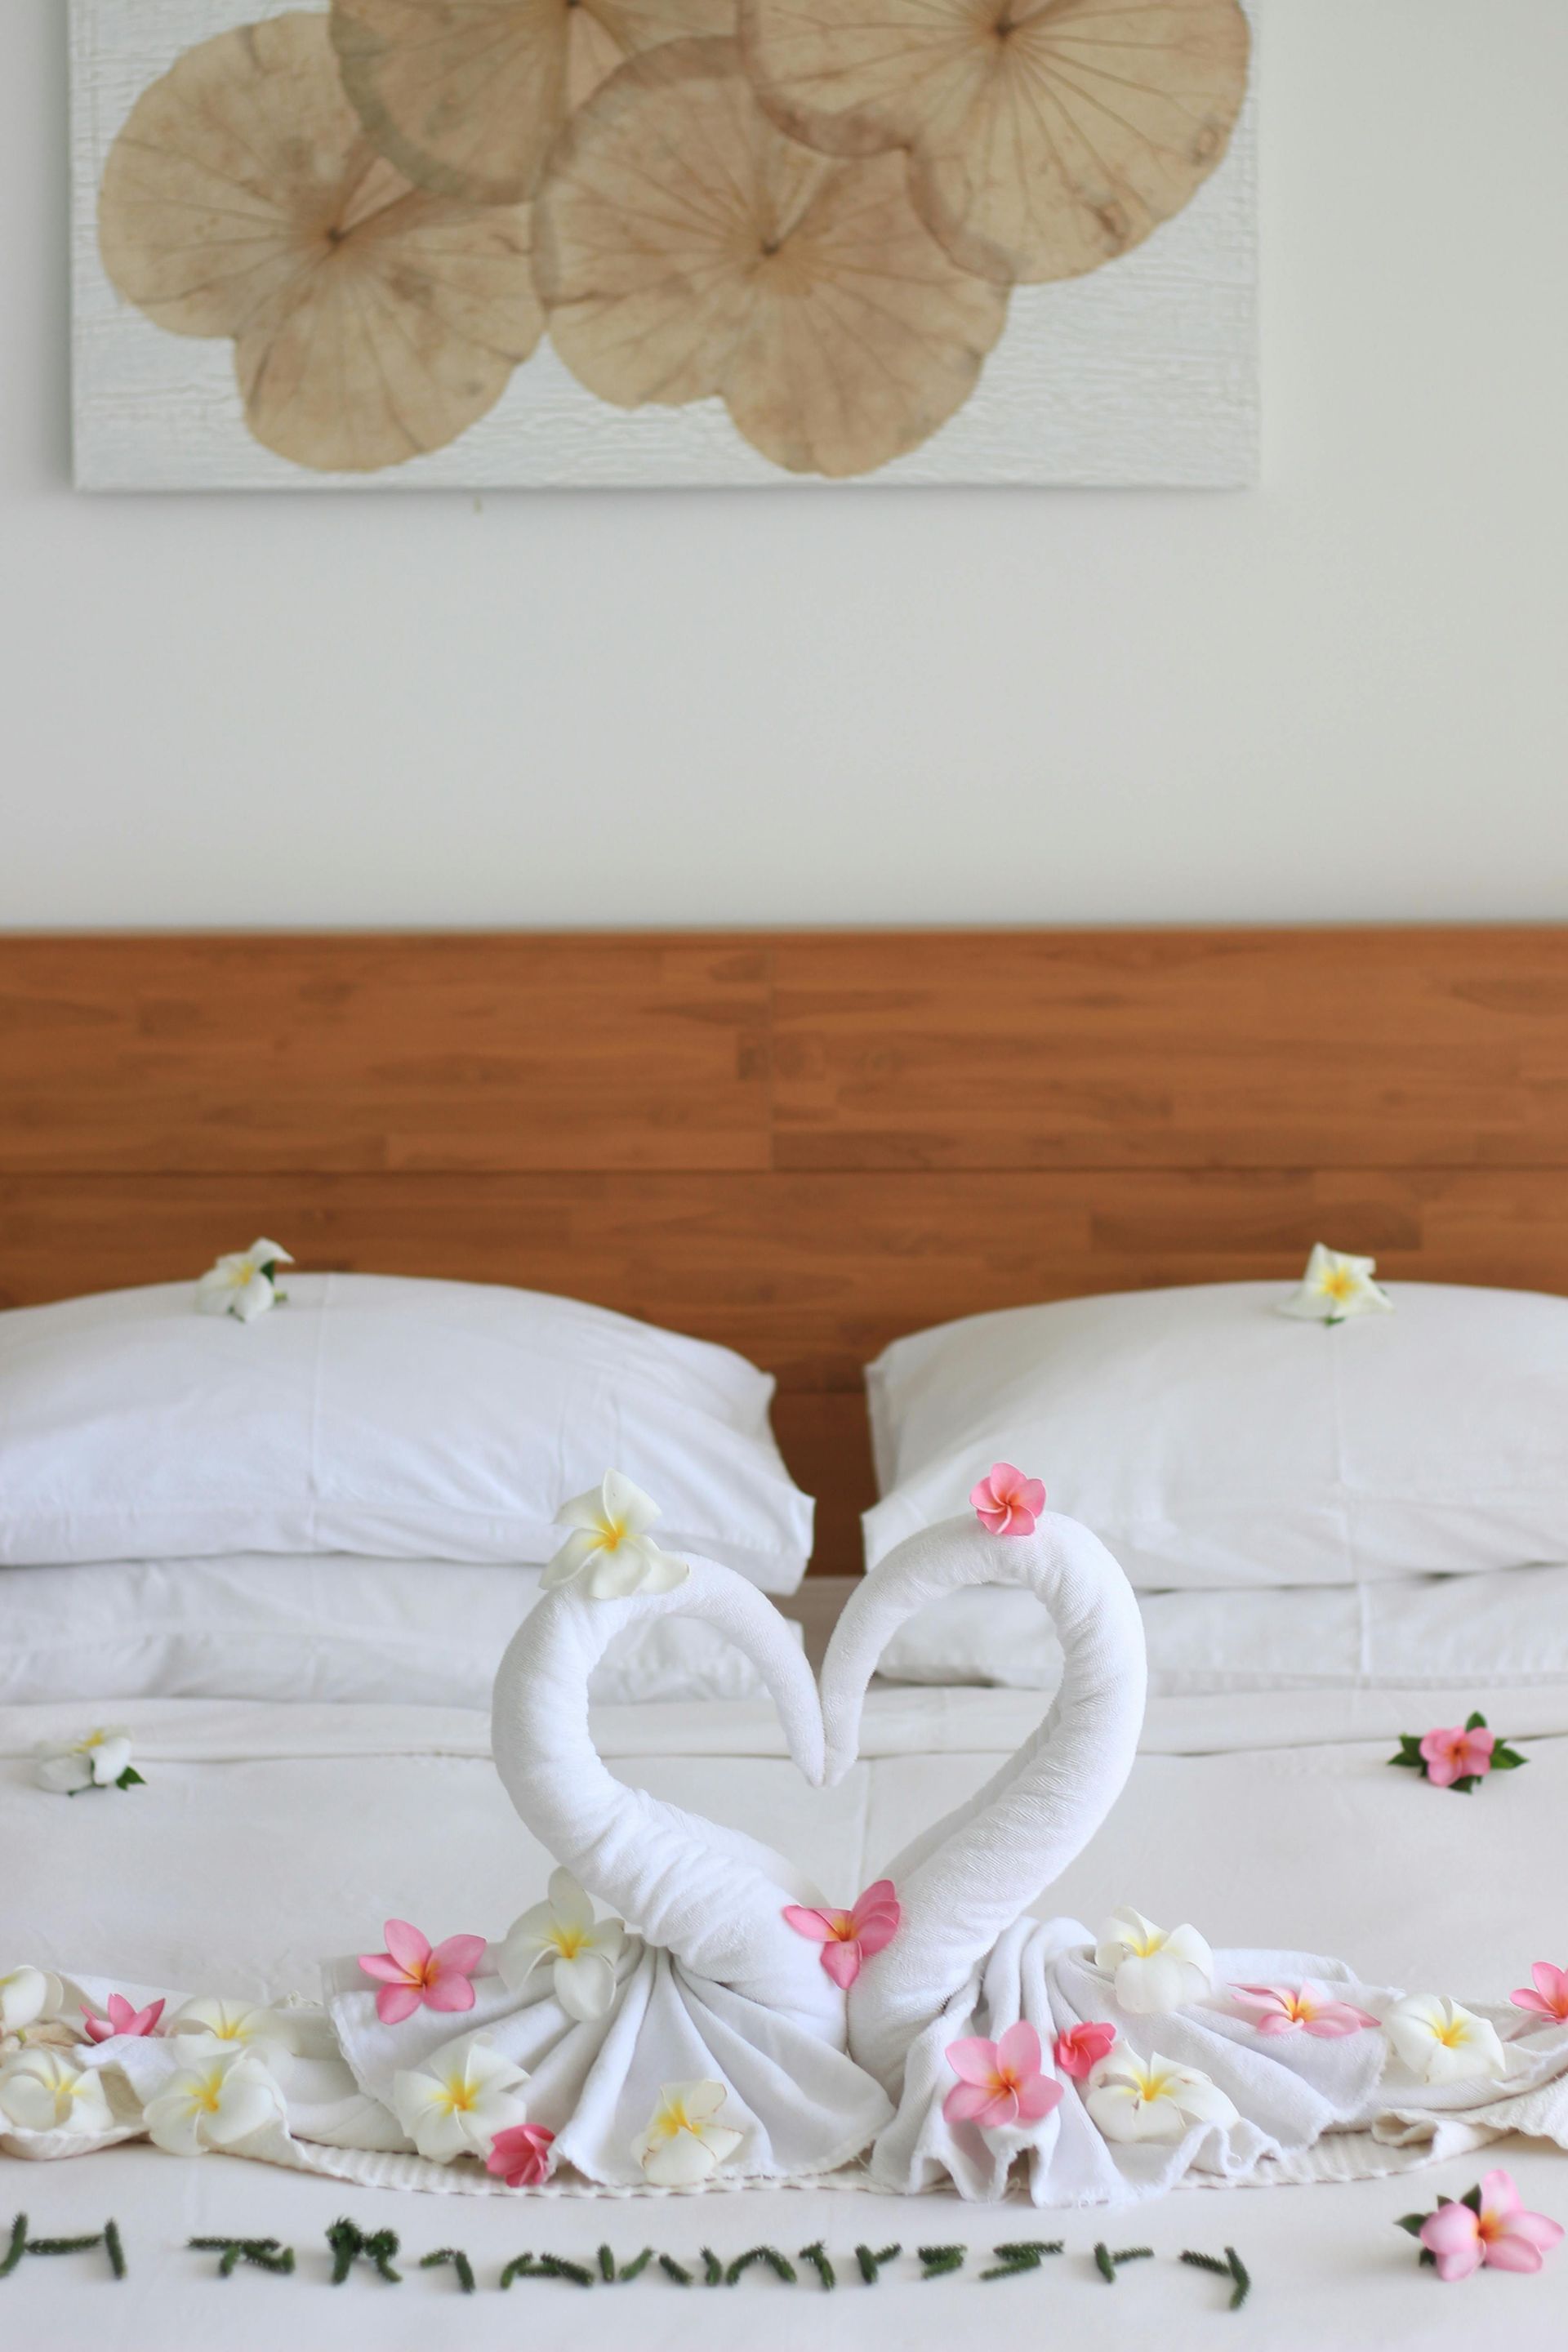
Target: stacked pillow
{"points": [[335, 1460], [1222, 1450]]}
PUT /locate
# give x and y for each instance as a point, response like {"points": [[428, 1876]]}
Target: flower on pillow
{"points": [[244, 1283], [1335, 1288], [609, 1552]]}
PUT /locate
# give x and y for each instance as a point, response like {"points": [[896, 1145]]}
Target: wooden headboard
{"points": [[799, 1144]]}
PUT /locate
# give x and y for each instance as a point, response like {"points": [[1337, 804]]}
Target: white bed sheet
{"points": [[268, 1838]]}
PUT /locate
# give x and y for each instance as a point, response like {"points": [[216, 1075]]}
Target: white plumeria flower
{"points": [[1335, 1286], [584, 1950], [684, 2143], [219, 2029], [1155, 1970], [27, 1997], [1133, 2098], [609, 1549], [1441, 2043], [244, 1283], [45, 2091], [96, 1760], [459, 2099], [216, 2103]]}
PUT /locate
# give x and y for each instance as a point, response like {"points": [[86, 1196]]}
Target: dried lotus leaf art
{"points": [[488, 243], [1045, 137], [371, 321], [686, 247], [466, 96]]}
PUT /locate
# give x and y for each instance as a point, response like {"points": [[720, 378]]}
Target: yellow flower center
{"points": [[209, 2094], [1144, 1947], [569, 1941], [1339, 1284], [612, 1533], [458, 2096], [1453, 2033]]}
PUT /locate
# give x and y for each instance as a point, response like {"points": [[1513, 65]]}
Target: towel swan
{"points": [[715, 1985], [966, 1965], [963, 1883]]}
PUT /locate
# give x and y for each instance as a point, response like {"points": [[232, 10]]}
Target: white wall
{"points": [[1340, 696]]}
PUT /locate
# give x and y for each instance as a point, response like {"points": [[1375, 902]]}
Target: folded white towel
{"points": [[965, 1883]]}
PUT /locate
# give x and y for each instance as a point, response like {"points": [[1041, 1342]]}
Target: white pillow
{"points": [[1503, 1629], [403, 1633], [1209, 1440], [393, 1419]]}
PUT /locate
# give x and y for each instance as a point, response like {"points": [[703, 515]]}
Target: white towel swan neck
{"points": [[711, 1896], [966, 1881]]}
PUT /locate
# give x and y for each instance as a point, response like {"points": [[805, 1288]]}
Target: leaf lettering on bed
{"points": [[18, 2243]]}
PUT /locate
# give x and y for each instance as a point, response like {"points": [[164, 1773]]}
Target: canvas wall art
{"points": [[534, 242]]}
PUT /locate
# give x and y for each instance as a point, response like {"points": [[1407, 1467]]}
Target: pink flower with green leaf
{"points": [[1487, 2228]]}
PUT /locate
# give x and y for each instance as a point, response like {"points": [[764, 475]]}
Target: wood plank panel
{"points": [[1173, 1049], [808, 1275], [368, 1052]]}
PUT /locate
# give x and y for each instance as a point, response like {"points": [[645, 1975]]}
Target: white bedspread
{"points": [[269, 1837]]}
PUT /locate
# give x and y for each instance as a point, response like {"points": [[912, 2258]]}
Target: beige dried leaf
{"points": [[1046, 137], [466, 96], [686, 249], [371, 321]]}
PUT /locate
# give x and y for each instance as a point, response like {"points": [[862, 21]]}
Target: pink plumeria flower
{"points": [[1455, 1755], [521, 2156], [1078, 2052], [1550, 1998], [122, 2020], [999, 2083], [1502, 2236], [1301, 2009], [848, 1939], [413, 1975], [1008, 1503]]}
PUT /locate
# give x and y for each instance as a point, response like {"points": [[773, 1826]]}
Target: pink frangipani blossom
{"points": [[1550, 1998], [521, 2157], [413, 1975], [1008, 1503], [999, 2083], [1456, 1754], [1080, 2051], [122, 2020], [848, 1939], [1301, 2009], [1502, 2236]]}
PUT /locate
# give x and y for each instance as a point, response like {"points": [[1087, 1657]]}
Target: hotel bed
{"points": [[793, 1149]]}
